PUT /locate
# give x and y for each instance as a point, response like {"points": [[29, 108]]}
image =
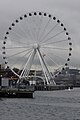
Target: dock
{"points": [[17, 92], [51, 87]]}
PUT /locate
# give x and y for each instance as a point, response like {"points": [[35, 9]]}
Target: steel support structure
{"points": [[25, 72]]}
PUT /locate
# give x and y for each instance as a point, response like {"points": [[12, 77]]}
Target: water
{"points": [[46, 105]]}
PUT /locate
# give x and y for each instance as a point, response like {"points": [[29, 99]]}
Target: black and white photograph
{"points": [[39, 60]]}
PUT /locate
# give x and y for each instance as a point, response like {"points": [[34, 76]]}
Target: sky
{"points": [[68, 11]]}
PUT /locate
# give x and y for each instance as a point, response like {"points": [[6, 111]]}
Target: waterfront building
{"points": [[69, 76]]}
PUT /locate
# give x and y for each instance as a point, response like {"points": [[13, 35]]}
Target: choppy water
{"points": [[46, 105]]}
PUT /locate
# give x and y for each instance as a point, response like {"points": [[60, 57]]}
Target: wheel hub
{"points": [[36, 46]]}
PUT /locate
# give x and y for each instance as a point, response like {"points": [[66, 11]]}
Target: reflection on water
{"points": [[46, 105]]}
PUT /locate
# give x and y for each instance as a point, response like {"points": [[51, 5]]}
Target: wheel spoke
{"points": [[52, 60], [48, 33], [58, 48], [53, 36], [54, 42], [58, 56], [17, 34], [30, 31], [39, 29], [18, 47], [22, 30], [20, 58], [27, 55], [44, 30], [18, 53], [19, 42]]}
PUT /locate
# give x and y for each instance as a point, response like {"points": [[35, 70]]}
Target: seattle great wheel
{"points": [[37, 40]]}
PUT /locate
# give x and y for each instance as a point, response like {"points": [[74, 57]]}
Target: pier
{"points": [[51, 88], [17, 92]]}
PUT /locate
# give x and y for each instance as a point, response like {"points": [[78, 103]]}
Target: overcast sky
{"points": [[68, 11]]}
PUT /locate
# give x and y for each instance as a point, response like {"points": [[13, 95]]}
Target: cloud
{"points": [[66, 11]]}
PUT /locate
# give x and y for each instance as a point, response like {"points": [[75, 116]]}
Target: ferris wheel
{"points": [[37, 40]]}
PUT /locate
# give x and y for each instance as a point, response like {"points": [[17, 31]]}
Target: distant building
{"points": [[69, 77], [2, 66], [66, 77]]}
